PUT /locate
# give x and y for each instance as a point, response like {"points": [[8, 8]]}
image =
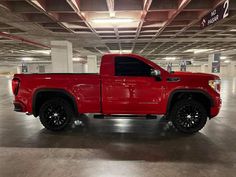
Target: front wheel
{"points": [[56, 114], [189, 116]]}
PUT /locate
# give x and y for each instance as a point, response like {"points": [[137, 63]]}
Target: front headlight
{"points": [[215, 84]]}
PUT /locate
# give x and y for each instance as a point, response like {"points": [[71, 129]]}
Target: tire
{"points": [[188, 116], [56, 114]]}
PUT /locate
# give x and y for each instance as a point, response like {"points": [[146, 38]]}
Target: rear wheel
{"points": [[56, 114], [189, 116]]}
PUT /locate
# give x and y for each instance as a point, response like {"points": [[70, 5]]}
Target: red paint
{"points": [[109, 94]]}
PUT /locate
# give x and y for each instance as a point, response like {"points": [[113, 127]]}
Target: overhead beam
{"points": [[209, 39], [196, 5], [164, 5], [75, 6], [27, 41], [202, 14], [41, 6], [146, 6], [111, 6], [172, 15], [233, 39]]}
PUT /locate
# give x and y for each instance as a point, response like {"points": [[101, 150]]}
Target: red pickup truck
{"points": [[127, 84]]}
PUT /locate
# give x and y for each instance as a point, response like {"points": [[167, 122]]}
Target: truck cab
{"points": [[132, 85]]}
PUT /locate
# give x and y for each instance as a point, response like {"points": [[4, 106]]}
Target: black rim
{"points": [[188, 116], [55, 115]]}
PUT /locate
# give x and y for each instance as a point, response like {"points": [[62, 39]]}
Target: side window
{"points": [[128, 66]]}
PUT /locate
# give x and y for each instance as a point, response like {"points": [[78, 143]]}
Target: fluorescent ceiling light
{"points": [[112, 20], [223, 57], [170, 58], [27, 59], [46, 52], [201, 50], [77, 59], [195, 51], [41, 51], [115, 51], [120, 51], [126, 51], [227, 61]]}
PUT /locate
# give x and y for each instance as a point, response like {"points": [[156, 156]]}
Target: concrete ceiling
{"points": [[160, 28]]}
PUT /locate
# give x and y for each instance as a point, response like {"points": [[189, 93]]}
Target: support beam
{"points": [[217, 39], [210, 60], [231, 68], [146, 6], [193, 22], [17, 38], [172, 15], [92, 63], [75, 6], [61, 57], [111, 6], [211, 37], [41, 6]]}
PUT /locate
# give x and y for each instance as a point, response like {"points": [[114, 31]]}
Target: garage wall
{"points": [[8, 69], [79, 67], [34, 68], [48, 68], [224, 69]]}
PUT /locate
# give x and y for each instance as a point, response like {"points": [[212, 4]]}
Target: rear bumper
{"points": [[19, 107], [216, 108]]}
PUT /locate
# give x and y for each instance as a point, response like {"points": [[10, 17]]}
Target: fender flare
{"points": [[188, 91], [57, 90]]}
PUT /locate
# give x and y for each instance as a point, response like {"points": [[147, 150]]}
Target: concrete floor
{"points": [[112, 148]]}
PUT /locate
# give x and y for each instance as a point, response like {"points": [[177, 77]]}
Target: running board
{"points": [[124, 116]]}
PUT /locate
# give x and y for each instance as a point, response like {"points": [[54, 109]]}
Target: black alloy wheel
{"points": [[189, 116], [56, 114]]}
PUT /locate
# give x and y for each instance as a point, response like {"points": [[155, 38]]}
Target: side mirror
{"points": [[155, 73]]}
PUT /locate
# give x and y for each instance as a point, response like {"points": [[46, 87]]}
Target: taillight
{"points": [[15, 85]]}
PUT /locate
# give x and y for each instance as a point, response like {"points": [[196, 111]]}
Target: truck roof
{"points": [[123, 54]]}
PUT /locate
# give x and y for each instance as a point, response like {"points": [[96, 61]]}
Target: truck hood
{"points": [[191, 74]]}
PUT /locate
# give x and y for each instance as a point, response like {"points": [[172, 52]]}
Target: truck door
{"points": [[132, 89]]}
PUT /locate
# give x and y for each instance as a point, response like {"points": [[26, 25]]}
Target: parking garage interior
{"points": [[71, 36]]}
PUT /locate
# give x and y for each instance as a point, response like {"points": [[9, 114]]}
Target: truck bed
{"points": [[84, 87]]}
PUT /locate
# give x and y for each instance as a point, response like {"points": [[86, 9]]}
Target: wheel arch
{"points": [[49, 93], [196, 94]]}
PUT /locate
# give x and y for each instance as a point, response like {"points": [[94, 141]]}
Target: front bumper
{"points": [[216, 108]]}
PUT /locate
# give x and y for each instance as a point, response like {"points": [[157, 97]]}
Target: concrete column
{"points": [[18, 69], [85, 67], [210, 60], [92, 63], [78, 67], [48, 68], [61, 55], [231, 68], [203, 68]]}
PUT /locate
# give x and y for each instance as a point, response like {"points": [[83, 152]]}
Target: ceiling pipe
{"points": [[17, 38]]}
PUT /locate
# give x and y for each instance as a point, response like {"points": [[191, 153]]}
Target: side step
{"points": [[125, 116]]}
